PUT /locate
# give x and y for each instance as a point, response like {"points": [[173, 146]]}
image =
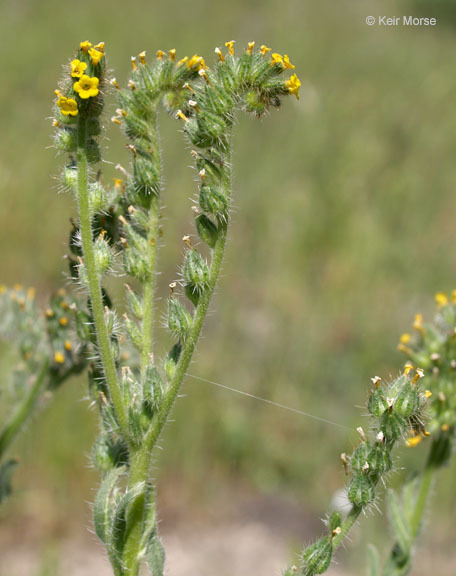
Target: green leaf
{"points": [[102, 509], [373, 561], [399, 523], [155, 554], [117, 536], [398, 564]]}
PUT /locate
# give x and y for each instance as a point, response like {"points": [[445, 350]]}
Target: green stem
{"points": [[421, 500], [15, 423], [195, 331], [93, 280], [149, 287], [346, 526], [140, 457]]}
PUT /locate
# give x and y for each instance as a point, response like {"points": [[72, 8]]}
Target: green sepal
{"points": [[214, 201], [361, 490], [109, 453], [377, 403], [335, 521], [393, 425], [171, 360], [379, 459], [179, 319], [406, 402], [192, 293], [195, 270], [360, 457], [135, 303], [152, 389], [317, 557], [134, 333], [207, 230]]}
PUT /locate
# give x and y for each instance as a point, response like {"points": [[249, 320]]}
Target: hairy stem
{"points": [[152, 243], [93, 280], [346, 526], [422, 498], [15, 423], [140, 457]]}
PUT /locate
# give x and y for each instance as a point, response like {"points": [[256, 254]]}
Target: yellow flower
{"points": [[418, 323], [293, 85], [59, 358], [445, 427], [172, 54], [219, 54], [63, 321], [77, 69], [427, 394], [142, 57], [230, 46], [408, 368], [198, 61], [87, 87], [441, 299], [133, 63], [95, 56], [84, 46], [405, 338], [160, 54], [250, 47], [68, 345], [276, 59], [99, 46], [264, 49], [413, 441], [286, 62], [68, 106], [182, 61]]}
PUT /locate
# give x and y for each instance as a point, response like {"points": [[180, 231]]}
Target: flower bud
{"points": [[317, 557], [179, 319], [207, 230], [361, 490], [214, 201]]}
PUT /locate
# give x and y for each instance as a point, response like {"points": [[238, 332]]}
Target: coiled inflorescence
{"points": [[398, 410]]}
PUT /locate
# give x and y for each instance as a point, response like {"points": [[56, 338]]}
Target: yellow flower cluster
{"points": [[96, 52], [85, 86]]}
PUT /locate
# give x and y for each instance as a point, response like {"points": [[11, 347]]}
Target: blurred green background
{"points": [[344, 227]]}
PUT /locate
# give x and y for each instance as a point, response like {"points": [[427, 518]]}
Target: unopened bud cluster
{"points": [[397, 411]]}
